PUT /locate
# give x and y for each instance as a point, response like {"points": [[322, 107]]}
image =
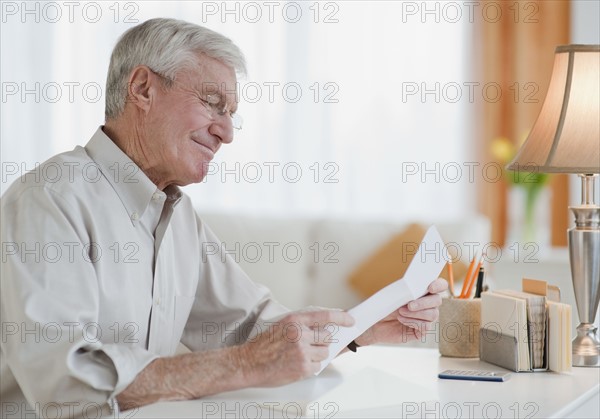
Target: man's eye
{"points": [[222, 109], [213, 100]]}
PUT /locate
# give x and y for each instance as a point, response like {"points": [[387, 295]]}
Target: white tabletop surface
{"points": [[387, 381]]}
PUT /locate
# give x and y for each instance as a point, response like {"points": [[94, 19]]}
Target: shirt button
{"points": [[135, 216], [157, 301], [155, 196]]}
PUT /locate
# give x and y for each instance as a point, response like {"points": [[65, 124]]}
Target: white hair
{"points": [[166, 46]]}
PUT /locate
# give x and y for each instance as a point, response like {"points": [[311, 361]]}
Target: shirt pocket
{"points": [[183, 307]]}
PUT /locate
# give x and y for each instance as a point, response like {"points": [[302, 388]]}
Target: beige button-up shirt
{"points": [[101, 274]]}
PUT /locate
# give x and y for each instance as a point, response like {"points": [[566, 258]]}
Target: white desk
{"points": [[387, 381]]}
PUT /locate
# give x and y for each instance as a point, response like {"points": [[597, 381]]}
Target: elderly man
{"points": [[123, 280]]}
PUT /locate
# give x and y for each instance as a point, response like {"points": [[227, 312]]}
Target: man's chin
{"points": [[190, 180], [202, 173]]}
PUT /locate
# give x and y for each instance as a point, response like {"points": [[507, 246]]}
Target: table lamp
{"points": [[566, 139]]}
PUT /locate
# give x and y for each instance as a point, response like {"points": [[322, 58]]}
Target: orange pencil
{"points": [[473, 279], [465, 286], [451, 278]]}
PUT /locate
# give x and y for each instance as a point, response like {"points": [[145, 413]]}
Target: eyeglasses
{"points": [[212, 103]]}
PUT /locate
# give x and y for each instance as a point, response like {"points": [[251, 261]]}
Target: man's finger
{"points": [[437, 286], [428, 315], [319, 353], [324, 317], [423, 303], [324, 335]]}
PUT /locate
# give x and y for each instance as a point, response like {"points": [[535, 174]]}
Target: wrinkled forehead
{"points": [[212, 77]]}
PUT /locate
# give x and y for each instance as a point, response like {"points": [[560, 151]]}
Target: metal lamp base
{"points": [[584, 252], [586, 346]]}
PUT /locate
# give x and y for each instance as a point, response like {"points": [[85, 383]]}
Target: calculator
{"points": [[474, 375]]}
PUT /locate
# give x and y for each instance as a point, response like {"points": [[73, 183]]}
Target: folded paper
{"points": [[424, 268]]}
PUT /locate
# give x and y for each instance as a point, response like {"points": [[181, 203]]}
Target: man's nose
{"points": [[222, 127]]}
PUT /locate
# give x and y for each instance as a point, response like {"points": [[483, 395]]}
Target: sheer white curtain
{"points": [[347, 104]]}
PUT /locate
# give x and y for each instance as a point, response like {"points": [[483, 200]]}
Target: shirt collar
{"points": [[134, 188]]}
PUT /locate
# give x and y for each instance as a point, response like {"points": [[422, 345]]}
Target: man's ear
{"points": [[139, 87]]}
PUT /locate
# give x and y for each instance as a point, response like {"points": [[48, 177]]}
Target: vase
{"points": [[529, 216]]}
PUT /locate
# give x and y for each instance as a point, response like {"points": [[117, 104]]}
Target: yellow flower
{"points": [[503, 149]]}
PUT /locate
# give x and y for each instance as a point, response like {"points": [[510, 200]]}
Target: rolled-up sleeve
{"points": [[52, 340], [229, 308]]}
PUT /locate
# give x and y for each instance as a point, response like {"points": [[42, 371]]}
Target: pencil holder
{"points": [[460, 320]]}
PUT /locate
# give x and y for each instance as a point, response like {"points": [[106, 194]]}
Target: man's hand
{"points": [[292, 348], [289, 350], [409, 321]]}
